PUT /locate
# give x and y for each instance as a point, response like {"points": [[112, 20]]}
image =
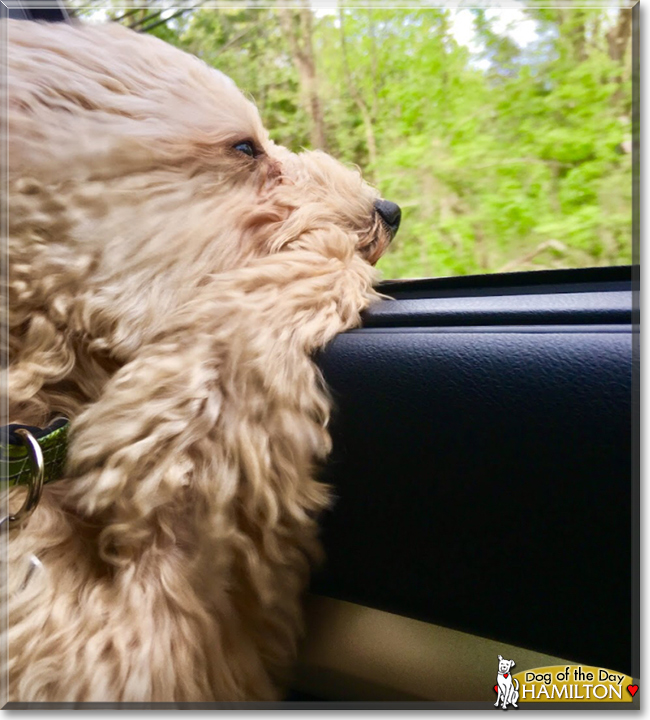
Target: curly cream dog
{"points": [[171, 271]]}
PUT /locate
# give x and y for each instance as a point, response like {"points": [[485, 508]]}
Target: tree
{"points": [[298, 29]]}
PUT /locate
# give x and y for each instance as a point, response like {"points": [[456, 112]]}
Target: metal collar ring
{"points": [[35, 482]]}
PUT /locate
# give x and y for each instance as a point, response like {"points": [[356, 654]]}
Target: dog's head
{"points": [[505, 665], [163, 167], [303, 194]]}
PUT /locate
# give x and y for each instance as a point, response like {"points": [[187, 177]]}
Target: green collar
{"points": [[15, 467]]}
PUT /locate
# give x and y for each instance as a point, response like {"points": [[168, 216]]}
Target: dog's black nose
{"points": [[390, 213]]}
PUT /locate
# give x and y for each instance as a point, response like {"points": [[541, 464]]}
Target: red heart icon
{"points": [[496, 688], [632, 689], [505, 674]]}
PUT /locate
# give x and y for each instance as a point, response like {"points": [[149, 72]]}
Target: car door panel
{"points": [[482, 462]]}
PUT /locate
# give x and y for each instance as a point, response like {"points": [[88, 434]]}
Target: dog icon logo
{"points": [[507, 688]]}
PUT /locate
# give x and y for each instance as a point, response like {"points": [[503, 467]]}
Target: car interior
{"points": [[482, 469]]}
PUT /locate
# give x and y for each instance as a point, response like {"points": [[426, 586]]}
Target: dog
{"points": [[171, 272], [508, 688]]}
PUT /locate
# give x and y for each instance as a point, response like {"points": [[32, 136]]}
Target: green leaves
{"points": [[506, 156]]}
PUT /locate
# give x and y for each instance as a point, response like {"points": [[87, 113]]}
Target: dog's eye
{"points": [[247, 148]]}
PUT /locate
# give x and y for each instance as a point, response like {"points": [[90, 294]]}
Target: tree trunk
{"points": [[619, 35], [371, 143], [302, 51], [578, 34], [617, 40]]}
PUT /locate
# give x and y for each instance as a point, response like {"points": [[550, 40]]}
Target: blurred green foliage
{"points": [[505, 158]]}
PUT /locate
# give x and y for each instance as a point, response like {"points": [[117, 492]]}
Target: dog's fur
{"points": [[166, 293]]}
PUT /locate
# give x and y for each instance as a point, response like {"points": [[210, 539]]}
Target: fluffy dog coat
{"points": [[166, 292]]}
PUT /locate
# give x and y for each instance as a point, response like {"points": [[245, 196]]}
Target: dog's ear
{"points": [[130, 452], [222, 409], [512, 663], [187, 446], [500, 657]]}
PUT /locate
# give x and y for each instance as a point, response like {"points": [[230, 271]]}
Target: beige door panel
{"points": [[353, 652]]}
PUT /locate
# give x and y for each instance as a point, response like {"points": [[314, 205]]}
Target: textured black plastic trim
{"points": [[557, 298], [585, 308]]}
